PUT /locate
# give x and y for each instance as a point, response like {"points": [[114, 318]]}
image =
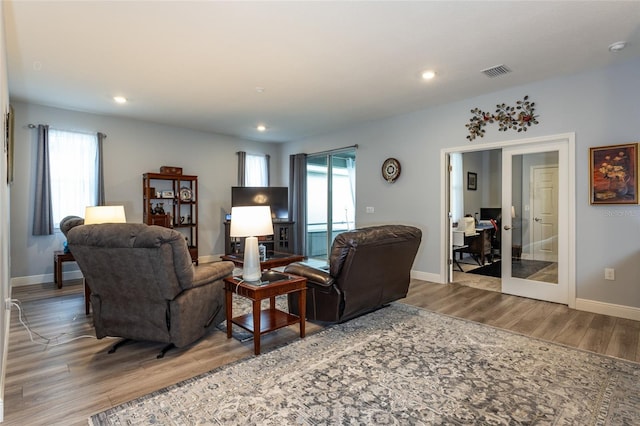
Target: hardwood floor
{"points": [[65, 384]]}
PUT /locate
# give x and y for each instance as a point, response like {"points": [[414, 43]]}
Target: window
{"points": [[256, 170], [74, 165]]}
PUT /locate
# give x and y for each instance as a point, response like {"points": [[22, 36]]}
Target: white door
{"points": [[543, 201], [535, 232]]}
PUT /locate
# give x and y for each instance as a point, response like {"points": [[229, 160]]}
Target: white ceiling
{"points": [[323, 65]]}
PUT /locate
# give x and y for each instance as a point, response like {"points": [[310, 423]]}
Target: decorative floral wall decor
{"points": [[518, 117]]}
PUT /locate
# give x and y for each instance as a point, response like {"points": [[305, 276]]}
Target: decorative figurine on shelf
{"points": [[159, 209]]}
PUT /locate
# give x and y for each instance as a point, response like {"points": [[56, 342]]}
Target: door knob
{"points": [[507, 228], [537, 219]]}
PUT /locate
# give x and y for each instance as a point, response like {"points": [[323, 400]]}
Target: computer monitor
{"points": [[487, 213]]}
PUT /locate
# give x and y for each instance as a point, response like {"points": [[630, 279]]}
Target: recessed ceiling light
{"points": [[617, 46], [261, 128], [260, 89], [120, 99], [428, 74]]}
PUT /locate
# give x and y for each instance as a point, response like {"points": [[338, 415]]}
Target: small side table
{"points": [[59, 257], [264, 321]]}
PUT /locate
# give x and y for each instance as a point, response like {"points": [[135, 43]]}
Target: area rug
{"points": [[522, 268], [401, 365]]}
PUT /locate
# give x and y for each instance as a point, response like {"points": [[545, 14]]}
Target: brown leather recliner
{"points": [[368, 268], [144, 285]]}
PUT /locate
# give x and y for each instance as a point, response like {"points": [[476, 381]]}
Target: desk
{"points": [[478, 245], [59, 257]]}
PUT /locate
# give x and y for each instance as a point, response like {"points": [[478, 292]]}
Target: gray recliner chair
{"points": [[144, 285], [368, 268]]}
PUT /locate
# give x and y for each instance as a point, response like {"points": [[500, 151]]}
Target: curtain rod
{"points": [[344, 148], [33, 126]]}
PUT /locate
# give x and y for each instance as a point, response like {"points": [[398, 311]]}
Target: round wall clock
{"points": [[390, 169], [185, 194]]}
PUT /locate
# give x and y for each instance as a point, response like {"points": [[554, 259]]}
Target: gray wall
{"points": [[5, 232], [602, 107], [131, 149]]}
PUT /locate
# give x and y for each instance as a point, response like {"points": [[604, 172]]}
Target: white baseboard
{"points": [[427, 276], [621, 311], [44, 278]]}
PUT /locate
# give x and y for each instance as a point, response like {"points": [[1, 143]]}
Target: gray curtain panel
{"points": [[298, 201], [43, 212], [267, 160], [242, 165], [100, 169]]}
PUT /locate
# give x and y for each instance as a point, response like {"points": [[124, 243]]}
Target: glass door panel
{"points": [[533, 218], [343, 194], [330, 199], [317, 206]]}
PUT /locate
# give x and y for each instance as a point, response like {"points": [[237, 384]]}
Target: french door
{"points": [[535, 221]]}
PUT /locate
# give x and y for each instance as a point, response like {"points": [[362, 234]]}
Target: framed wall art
{"points": [[613, 174], [472, 181]]}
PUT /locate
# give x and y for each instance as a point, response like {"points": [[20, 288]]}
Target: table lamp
{"points": [[104, 214], [251, 222]]}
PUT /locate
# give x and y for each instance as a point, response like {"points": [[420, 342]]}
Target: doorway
{"points": [[536, 230]]}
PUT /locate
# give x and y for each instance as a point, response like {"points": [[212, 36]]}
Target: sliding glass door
{"points": [[331, 199]]}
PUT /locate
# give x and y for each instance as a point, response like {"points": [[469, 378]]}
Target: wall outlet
{"points": [[370, 209], [609, 274], [7, 304]]}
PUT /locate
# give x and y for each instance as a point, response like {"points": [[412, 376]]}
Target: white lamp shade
{"points": [[104, 214], [251, 221]]}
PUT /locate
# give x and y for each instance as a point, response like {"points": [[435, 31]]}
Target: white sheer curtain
{"points": [[74, 168], [456, 187], [256, 170]]}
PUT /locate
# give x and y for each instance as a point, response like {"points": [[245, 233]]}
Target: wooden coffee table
{"points": [[264, 321], [274, 259]]}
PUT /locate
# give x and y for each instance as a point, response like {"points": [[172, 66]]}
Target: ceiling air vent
{"points": [[496, 71]]}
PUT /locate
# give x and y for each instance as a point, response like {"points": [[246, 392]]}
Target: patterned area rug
{"points": [[401, 365]]}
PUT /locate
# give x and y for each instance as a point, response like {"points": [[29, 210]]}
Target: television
{"points": [[277, 197]]}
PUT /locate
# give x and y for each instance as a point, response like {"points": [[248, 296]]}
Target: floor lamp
{"points": [[251, 222]]}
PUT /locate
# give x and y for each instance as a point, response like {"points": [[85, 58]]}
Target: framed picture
{"points": [[168, 194], [472, 181], [613, 174]]}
